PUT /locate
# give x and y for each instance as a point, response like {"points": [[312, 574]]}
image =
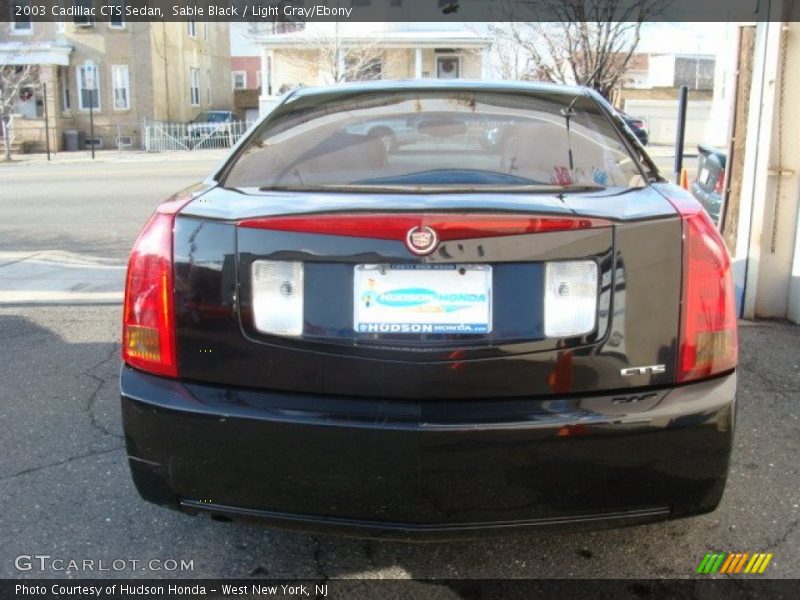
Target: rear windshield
{"points": [[445, 141]]}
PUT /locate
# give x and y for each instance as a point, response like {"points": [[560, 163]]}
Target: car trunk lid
{"points": [[501, 242]]}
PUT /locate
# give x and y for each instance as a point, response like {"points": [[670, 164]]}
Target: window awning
{"points": [[14, 53]]}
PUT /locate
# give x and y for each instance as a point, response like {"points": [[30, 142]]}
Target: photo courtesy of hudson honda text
{"points": [[61, 589], [255, 589]]}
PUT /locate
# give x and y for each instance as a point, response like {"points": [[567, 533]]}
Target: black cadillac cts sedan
{"points": [[339, 330]]}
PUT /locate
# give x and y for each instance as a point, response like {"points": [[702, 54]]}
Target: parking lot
{"points": [[63, 472]]}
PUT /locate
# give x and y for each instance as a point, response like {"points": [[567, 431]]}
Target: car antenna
{"points": [[568, 113]]}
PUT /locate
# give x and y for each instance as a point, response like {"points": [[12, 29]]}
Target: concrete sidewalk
{"points": [[59, 277], [114, 156], [656, 151]]}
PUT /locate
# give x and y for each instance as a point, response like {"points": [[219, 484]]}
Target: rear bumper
{"points": [[401, 468]]}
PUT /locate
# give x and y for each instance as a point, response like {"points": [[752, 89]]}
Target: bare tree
{"points": [[334, 57], [511, 50], [591, 43], [16, 82]]}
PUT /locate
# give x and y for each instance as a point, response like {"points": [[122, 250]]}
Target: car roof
{"points": [[412, 85]]}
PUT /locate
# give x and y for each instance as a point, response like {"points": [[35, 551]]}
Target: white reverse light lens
{"points": [[570, 298], [278, 296]]}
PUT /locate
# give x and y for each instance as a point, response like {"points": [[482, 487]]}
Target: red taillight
{"points": [[148, 331], [448, 226], [720, 185], [708, 339]]}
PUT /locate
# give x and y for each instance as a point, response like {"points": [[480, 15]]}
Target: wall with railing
{"points": [[160, 136]]}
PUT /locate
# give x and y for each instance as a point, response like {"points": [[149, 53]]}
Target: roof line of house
{"points": [[384, 40]]}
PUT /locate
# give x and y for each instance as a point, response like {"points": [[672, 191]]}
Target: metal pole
{"points": [[46, 121], [683, 100], [91, 119]]}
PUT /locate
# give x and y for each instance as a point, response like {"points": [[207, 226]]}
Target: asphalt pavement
{"points": [[93, 208], [64, 480], [67, 226]]}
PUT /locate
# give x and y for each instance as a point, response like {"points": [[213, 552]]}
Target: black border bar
{"points": [[433, 11], [707, 588]]}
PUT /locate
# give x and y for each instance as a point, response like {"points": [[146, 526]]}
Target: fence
{"points": [[161, 136], [29, 135]]}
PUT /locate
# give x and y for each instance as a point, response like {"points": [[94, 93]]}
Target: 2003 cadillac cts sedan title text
{"points": [[408, 308]]}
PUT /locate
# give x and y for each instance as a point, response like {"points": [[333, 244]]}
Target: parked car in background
{"points": [[709, 185], [332, 332], [396, 132], [393, 132], [636, 126], [211, 122]]}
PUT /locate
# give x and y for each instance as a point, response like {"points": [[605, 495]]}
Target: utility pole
{"points": [[46, 120], [680, 133]]}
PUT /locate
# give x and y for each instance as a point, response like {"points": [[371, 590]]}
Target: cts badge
{"points": [[421, 240], [651, 370]]}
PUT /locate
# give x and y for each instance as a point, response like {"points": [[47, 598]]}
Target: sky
{"points": [[685, 38]]}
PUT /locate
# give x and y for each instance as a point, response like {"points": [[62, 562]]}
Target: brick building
{"points": [[144, 72]]}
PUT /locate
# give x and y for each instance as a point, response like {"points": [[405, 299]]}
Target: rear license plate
{"points": [[431, 299]]}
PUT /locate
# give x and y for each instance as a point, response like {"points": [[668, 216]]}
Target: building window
{"points": [[362, 70], [194, 86], [66, 103], [122, 87], [29, 104], [117, 20], [695, 72], [208, 86], [22, 23], [239, 79], [85, 18], [85, 95], [191, 28]]}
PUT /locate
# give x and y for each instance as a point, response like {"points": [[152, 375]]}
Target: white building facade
{"points": [[323, 53]]}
